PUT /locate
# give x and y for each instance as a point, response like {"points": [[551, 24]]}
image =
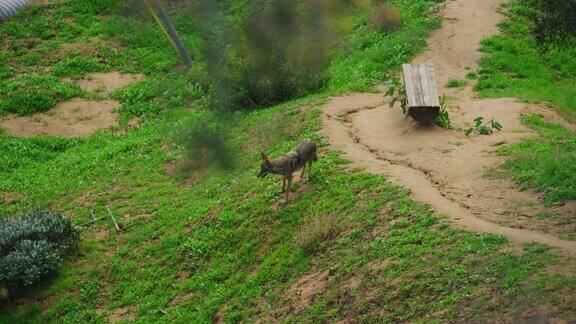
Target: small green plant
{"points": [[443, 119], [471, 75], [456, 83], [483, 128], [397, 90]]}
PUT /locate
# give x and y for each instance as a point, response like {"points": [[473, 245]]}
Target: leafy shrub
{"points": [[280, 50], [443, 119], [28, 263], [32, 248], [553, 20], [39, 225]]}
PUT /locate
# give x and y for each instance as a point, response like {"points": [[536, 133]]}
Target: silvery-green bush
{"points": [[33, 246], [28, 263]]}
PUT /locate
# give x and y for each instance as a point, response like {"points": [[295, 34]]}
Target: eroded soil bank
{"points": [[443, 167]]}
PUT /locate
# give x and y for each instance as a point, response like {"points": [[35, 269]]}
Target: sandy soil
{"points": [[308, 287], [75, 117], [445, 168], [107, 83]]}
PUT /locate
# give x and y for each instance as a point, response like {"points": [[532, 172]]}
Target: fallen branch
{"points": [[93, 220], [113, 219], [90, 222]]}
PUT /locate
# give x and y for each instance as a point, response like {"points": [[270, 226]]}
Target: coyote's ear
{"points": [[265, 158]]}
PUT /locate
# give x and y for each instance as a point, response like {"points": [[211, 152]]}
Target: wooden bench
{"points": [[421, 92]]}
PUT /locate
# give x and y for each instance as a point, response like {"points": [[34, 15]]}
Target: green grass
{"points": [[224, 243], [370, 54], [196, 244], [454, 83], [48, 43], [25, 94], [547, 163], [515, 66]]}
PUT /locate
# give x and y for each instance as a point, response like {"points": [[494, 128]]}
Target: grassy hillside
{"points": [[223, 245], [515, 65], [208, 244]]}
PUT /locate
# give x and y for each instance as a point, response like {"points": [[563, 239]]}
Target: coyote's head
{"points": [[265, 167]]}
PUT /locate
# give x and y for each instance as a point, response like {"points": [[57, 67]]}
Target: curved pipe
{"points": [[10, 7]]}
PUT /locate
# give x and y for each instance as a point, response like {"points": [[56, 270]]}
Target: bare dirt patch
{"points": [[308, 287], [85, 48], [219, 316], [445, 168], [180, 299], [121, 314], [107, 83], [11, 197], [101, 234], [297, 190], [71, 118], [353, 282], [378, 265], [76, 117]]}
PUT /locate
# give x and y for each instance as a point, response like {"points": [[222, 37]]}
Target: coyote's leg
{"points": [[287, 192], [309, 169], [283, 183], [303, 172]]}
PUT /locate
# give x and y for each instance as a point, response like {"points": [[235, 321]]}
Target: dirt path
{"points": [[445, 168]]}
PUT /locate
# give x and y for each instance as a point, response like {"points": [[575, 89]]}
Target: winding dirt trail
{"points": [[441, 167]]}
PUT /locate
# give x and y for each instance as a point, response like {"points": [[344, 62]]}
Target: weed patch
{"points": [[456, 83]]}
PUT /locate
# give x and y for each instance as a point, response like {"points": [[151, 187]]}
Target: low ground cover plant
{"points": [[32, 248]]}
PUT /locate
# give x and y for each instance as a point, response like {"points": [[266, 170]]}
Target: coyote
{"points": [[304, 153]]}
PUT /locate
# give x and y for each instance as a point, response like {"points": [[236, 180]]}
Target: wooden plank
{"points": [[417, 84], [421, 87], [408, 83], [433, 87], [426, 95]]}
